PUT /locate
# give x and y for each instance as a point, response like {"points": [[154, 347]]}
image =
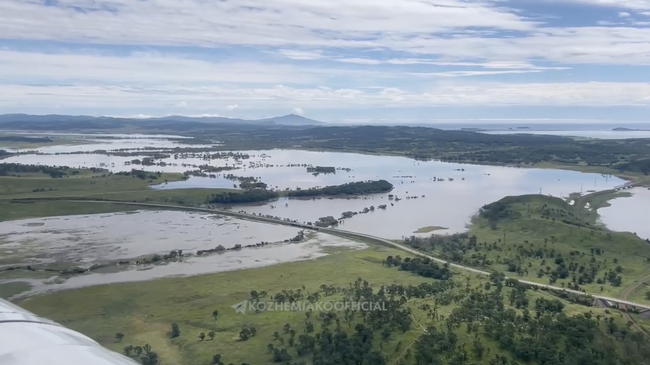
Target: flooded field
{"points": [[103, 141], [430, 193], [99, 238], [629, 214]]}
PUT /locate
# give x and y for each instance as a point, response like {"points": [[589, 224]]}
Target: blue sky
{"points": [[332, 60]]}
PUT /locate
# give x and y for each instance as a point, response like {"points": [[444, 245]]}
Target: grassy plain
{"points": [[144, 311], [537, 230], [31, 145], [88, 185]]}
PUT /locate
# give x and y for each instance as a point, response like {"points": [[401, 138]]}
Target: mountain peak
{"points": [[292, 119]]}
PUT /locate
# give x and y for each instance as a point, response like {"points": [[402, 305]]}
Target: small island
{"points": [[258, 193], [623, 129], [354, 188], [322, 169]]}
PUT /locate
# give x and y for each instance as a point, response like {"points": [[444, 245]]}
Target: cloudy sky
{"points": [[333, 60]]}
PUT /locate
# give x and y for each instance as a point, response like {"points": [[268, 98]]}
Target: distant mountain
{"points": [[291, 119]]}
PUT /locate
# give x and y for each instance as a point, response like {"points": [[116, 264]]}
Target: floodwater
{"points": [[109, 142], [88, 239], [445, 203], [629, 214], [430, 193]]}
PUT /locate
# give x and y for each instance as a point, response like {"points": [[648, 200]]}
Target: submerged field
{"points": [[144, 312], [431, 314], [50, 254]]}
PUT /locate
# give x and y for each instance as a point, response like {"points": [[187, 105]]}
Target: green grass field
{"points": [[88, 185], [145, 311], [56, 141], [536, 232]]}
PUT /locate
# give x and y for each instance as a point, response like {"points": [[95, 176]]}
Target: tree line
{"points": [[353, 188]]}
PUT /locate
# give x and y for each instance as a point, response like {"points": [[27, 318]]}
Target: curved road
{"points": [[340, 232]]}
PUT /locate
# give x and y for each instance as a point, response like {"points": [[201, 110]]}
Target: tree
{"points": [[244, 334], [216, 359], [211, 334], [137, 350], [127, 350], [146, 348], [478, 348], [215, 314], [202, 336], [119, 336], [151, 358], [175, 330], [247, 332]]}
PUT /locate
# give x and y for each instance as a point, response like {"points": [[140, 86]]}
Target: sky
{"points": [[344, 61]]}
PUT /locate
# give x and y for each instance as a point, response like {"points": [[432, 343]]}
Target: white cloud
{"points": [[628, 4], [398, 25], [298, 99], [326, 52], [298, 111], [300, 55], [146, 67], [272, 23]]}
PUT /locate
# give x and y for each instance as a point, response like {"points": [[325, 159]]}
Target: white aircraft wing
{"points": [[26, 339]]}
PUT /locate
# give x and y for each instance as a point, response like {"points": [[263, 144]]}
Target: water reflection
{"points": [[107, 142], [228, 261], [448, 203], [84, 240], [629, 214]]}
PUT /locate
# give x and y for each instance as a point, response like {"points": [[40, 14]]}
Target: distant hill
{"points": [[16, 119], [623, 129], [473, 130], [291, 119]]}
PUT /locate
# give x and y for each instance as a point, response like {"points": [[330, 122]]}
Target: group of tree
{"points": [[502, 314], [145, 353], [541, 254], [15, 169], [353, 188], [140, 174], [247, 196], [545, 336], [322, 169], [420, 266]]}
